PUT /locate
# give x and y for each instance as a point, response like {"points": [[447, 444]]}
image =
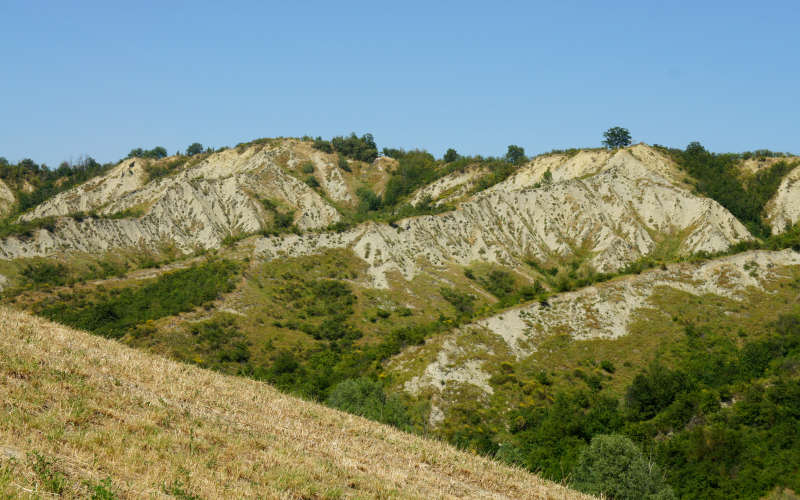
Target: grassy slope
{"points": [[92, 409]]}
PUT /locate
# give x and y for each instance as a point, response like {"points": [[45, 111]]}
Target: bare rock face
{"points": [[126, 177], [619, 213], [7, 199], [784, 208], [450, 187]]}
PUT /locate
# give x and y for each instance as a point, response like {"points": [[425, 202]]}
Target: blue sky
{"points": [[101, 78]]}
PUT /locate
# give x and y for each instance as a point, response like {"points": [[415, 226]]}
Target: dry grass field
{"points": [[81, 416]]}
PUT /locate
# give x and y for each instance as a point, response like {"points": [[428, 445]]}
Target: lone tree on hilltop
{"points": [[194, 149], [516, 155], [617, 137], [451, 155]]}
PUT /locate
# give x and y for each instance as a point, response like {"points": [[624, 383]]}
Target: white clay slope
{"points": [[784, 208], [194, 208], [619, 213]]}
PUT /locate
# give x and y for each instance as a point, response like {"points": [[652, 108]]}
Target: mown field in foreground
{"points": [[87, 417]]}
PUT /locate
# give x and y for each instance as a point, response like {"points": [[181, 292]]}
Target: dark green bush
{"points": [[499, 283], [343, 163], [156, 153], [368, 201], [463, 302], [613, 466], [450, 156], [312, 182], [323, 145], [365, 397], [194, 149]]}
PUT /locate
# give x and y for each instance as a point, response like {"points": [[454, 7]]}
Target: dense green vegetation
{"points": [[366, 397], [516, 155], [115, 312], [282, 219], [614, 466], [723, 419], [358, 148], [194, 148], [718, 177], [156, 153]]}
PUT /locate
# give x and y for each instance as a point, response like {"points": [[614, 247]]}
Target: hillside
{"points": [[622, 205], [540, 333], [79, 409], [508, 307]]}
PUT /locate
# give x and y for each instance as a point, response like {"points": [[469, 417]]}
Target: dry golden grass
{"points": [[92, 409]]}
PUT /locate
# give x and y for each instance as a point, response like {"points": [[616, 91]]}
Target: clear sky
{"points": [[101, 78]]}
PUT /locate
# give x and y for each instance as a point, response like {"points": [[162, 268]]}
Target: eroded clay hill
{"points": [[784, 208], [613, 207], [617, 207]]}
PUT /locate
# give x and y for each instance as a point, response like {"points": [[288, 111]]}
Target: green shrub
{"points": [[128, 213], [368, 201], [323, 145], [450, 156], [499, 283], [26, 229], [47, 182], [343, 163], [358, 148], [415, 168], [463, 302], [45, 469], [156, 153], [393, 153], [101, 490], [653, 390], [312, 182], [614, 467], [365, 397], [718, 177], [160, 169], [307, 167]]}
